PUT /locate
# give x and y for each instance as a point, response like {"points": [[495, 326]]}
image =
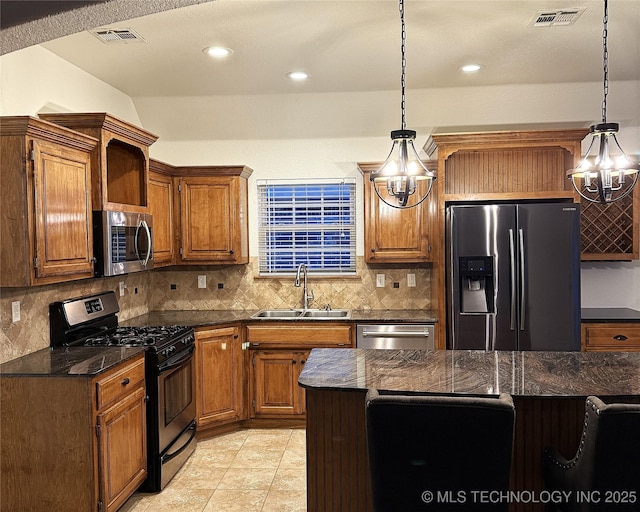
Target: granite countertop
{"points": [[605, 315], [68, 361], [215, 317], [571, 374]]}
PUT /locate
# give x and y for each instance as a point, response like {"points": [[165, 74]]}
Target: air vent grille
{"points": [[118, 35], [556, 18]]}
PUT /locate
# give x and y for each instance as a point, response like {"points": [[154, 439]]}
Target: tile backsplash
{"points": [[242, 289], [31, 333], [231, 287]]}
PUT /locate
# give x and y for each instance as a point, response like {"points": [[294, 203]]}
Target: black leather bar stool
{"points": [[604, 474], [430, 453]]}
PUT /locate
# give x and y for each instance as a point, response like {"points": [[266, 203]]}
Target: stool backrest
{"points": [[610, 447], [438, 448]]}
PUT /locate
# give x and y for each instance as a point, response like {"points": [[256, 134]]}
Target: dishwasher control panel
{"points": [[395, 336]]}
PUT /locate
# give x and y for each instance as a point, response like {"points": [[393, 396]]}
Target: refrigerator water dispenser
{"points": [[476, 284]]}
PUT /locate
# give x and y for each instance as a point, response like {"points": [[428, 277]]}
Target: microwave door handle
{"points": [[144, 225]]}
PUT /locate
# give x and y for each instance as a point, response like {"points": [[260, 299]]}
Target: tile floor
{"points": [[257, 470]]}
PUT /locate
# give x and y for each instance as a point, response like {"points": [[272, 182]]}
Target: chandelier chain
{"points": [[605, 61], [403, 63]]}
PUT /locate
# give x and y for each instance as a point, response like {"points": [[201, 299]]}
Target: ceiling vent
{"points": [[556, 18], [118, 35]]}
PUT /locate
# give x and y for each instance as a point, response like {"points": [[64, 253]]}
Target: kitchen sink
{"points": [[278, 313], [310, 314], [323, 313]]}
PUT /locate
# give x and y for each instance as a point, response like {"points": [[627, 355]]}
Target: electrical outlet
{"points": [[380, 280], [411, 280], [202, 281], [15, 311], [121, 287]]}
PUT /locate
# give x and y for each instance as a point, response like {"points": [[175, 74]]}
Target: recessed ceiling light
{"points": [[471, 68], [298, 75], [218, 51]]}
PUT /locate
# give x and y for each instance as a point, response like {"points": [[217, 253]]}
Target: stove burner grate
{"points": [[136, 336]]}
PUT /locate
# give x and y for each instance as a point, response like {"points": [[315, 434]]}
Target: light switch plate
{"points": [[202, 281], [15, 311], [411, 280], [380, 280], [121, 288]]}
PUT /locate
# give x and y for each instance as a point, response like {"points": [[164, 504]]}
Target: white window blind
{"points": [[307, 221]]}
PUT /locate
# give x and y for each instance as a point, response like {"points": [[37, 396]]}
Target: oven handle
{"points": [[178, 360], [168, 456]]}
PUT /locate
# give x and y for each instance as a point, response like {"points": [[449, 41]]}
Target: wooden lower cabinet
{"points": [[220, 375], [279, 351], [611, 337], [73, 443], [275, 383], [122, 453]]}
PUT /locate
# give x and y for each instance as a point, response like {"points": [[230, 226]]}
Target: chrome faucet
{"points": [[307, 295]]}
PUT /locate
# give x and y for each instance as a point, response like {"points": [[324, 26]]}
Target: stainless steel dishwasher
{"points": [[396, 336]]}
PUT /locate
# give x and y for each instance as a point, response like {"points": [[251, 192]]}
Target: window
{"points": [[307, 221]]}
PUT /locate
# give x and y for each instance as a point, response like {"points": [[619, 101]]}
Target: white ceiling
{"points": [[355, 46], [349, 47]]}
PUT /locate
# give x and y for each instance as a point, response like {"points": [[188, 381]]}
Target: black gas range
{"points": [[91, 321]]}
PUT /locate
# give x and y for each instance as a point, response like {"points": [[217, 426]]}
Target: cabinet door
{"points": [[122, 452], [62, 227], [394, 235], [275, 379], [209, 219], [161, 207], [219, 375]]}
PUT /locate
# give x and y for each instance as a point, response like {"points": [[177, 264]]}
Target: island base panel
{"points": [[337, 462]]}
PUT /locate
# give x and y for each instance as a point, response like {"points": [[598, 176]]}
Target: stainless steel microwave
{"points": [[123, 242]]}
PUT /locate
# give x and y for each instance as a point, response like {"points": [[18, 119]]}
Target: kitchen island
{"points": [[548, 388]]}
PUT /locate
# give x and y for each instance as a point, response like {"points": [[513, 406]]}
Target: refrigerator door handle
{"points": [[523, 294], [512, 269]]}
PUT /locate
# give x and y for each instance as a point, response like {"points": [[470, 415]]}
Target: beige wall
{"points": [[66, 88]]}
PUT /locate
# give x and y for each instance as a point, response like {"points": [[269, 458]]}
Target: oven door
{"points": [[176, 396]]}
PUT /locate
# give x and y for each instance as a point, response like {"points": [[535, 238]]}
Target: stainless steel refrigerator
{"points": [[513, 276]]}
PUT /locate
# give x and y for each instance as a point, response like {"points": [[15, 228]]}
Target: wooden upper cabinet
{"points": [[161, 207], [212, 202], [120, 161], [45, 204], [394, 235], [508, 165]]}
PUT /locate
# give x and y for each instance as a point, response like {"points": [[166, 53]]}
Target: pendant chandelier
{"points": [[403, 169], [607, 174]]}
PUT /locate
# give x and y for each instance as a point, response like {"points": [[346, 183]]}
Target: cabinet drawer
{"points": [[118, 384], [613, 337], [300, 335]]}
